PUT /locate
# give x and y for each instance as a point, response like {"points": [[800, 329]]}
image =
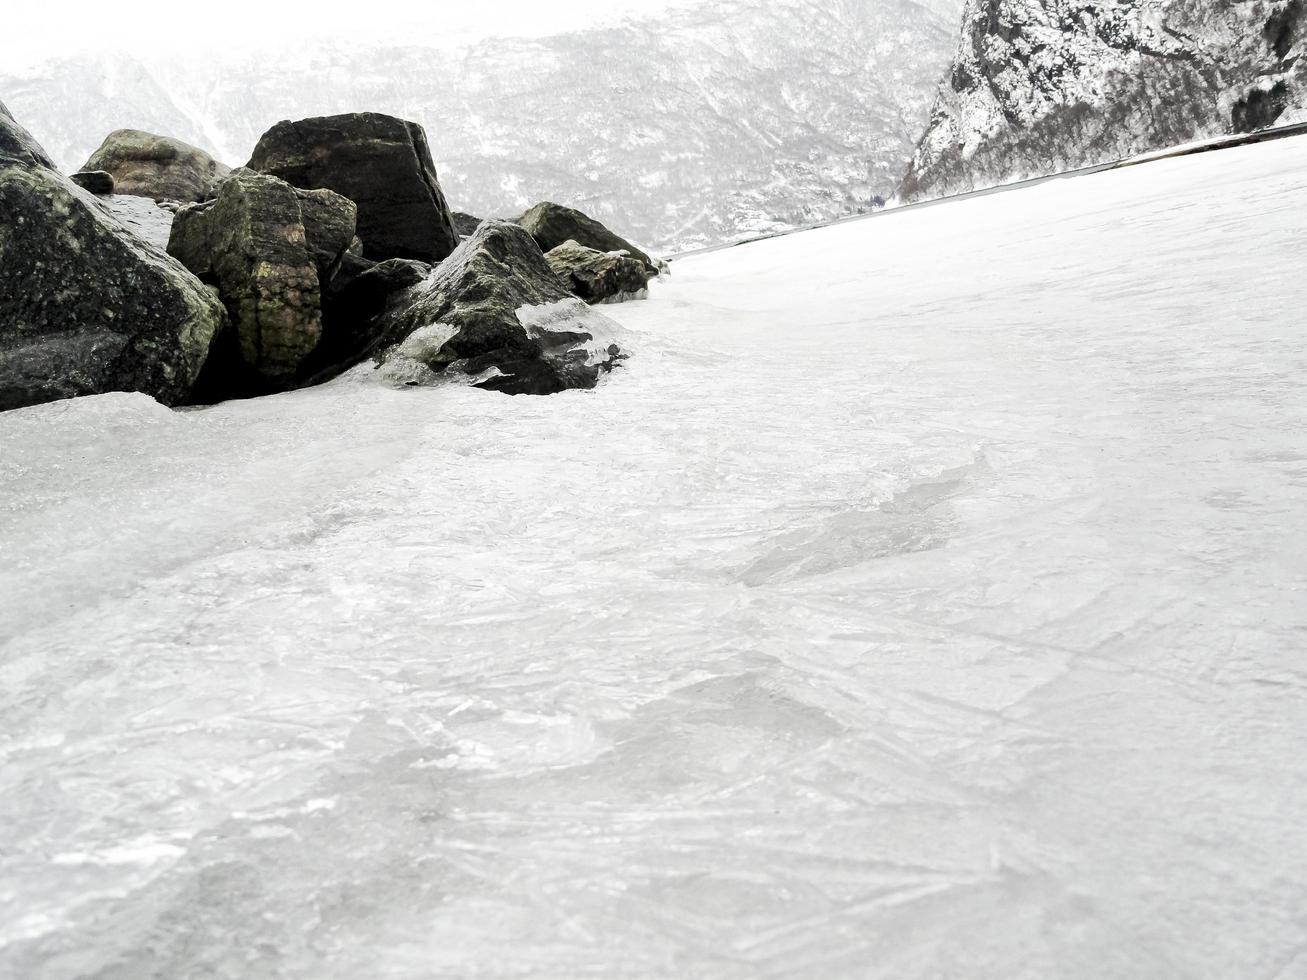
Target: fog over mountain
{"points": [[696, 126]]}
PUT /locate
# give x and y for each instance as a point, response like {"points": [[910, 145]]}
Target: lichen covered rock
{"points": [[599, 277], [552, 225], [269, 248], [146, 165]]}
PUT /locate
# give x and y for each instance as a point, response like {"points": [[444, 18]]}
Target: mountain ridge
{"points": [[1044, 86]]}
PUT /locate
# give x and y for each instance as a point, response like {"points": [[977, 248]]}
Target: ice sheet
{"points": [[925, 598]]}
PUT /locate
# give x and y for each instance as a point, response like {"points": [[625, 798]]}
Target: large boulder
{"points": [[87, 306], [599, 277], [552, 225], [494, 310], [382, 164], [270, 248], [146, 165]]}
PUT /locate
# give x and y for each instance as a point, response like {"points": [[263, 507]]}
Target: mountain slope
{"points": [[1041, 86], [709, 124]]}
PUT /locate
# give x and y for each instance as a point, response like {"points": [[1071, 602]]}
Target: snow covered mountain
{"points": [[1041, 86], [925, 599], [708, 124]]}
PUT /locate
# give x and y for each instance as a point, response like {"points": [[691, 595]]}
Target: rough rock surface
{"points": [[1042, 86], [465, 224], [358, 294], [97, 182], [599, 277], [381, 163], [16, 143], [495, 309], [269, 248], [86, 306], [160, 167], [552, 225]]}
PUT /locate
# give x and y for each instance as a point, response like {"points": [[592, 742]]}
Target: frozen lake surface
{"points": [[927, 598]]}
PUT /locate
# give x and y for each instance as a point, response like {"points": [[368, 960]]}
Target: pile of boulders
{"points": [[334, 249]]}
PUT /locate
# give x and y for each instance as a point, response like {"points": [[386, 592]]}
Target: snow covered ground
{"points": [[927, 598]]}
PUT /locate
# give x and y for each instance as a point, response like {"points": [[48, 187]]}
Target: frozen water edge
{"points": [[925, 599]]}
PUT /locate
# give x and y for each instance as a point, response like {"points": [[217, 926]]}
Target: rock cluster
{"points": [[334, 249], [552, 225], [467, 318]]}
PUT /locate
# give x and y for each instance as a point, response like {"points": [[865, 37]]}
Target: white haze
{"points": [[155, 27]]}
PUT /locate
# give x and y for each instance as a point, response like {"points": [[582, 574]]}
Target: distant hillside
{"points": [[707, 125], [1041, 86]]}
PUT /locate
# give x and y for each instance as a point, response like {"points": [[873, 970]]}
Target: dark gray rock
{"points": [[382, 164], [362, 296], [358, 294], [465, 224], [352, 265], [146, 165], [86, 306], [97, 182], [494, 309], [270, 249], [16, 143], [599, 277], [552, 225], [329, 223]]}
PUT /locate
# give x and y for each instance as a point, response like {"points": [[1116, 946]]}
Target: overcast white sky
{"points": [[37, 29]]}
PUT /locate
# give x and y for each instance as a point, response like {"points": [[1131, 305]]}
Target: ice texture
{"points": [[926, 597]]}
